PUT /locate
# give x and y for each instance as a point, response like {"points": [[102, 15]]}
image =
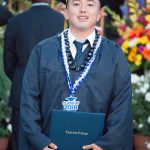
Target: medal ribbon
{"points": [[84, 73]]}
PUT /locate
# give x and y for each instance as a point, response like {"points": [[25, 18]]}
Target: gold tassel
{"points": [[52, 3], [65, 24]]}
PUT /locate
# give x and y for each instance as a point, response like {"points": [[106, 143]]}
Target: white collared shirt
{"points": [[40, 4], [72, 38]]}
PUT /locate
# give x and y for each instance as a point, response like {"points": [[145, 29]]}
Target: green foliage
{"points": [[4, 119], [4, 94], [141, 104], [4, 82]]}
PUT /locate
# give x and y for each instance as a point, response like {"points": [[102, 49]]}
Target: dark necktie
{"points": [[79, 46]]}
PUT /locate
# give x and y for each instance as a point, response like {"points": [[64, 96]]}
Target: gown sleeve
{"points": [[31, 102], [118, 126]]}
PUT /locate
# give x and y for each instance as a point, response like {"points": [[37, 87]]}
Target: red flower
{"points": [[136, 32], [146, 54]]}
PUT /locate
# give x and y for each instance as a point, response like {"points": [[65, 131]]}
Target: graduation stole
{"points": [[71, 104]]}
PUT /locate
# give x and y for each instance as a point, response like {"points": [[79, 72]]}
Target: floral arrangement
{"points": [[134, 38], [141, 103], [134, 32]]}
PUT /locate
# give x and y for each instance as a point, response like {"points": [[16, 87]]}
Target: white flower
{"points": [[147, 97], [148, 26], [142, 90], [148, 46], [133, 42], [142, 78], [7, 120], [148, 145], [137, 91], [135, 78], [140, 126], [134, 121], [139, 84], [146, 86], [9, 127], [148, 120], [4, 3]]}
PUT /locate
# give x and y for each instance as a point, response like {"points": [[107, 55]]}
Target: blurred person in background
{"points": [[5, 15], [23, 32]]}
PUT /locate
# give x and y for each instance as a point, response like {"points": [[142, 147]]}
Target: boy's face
{"points": [[82, 14]]}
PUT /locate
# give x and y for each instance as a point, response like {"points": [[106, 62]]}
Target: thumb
{"points": [[88, 146], [53, 146]]}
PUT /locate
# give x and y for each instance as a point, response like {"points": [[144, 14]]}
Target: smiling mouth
{"points": [[82, 18]]}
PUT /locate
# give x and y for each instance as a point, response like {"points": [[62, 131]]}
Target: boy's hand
{"points": [[92, 146], [51, 146]]}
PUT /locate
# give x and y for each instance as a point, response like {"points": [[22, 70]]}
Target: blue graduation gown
{"points": [[106, 89]]}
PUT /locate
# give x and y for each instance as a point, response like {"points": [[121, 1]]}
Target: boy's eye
{"points": [[90, 4], [76, 4]]}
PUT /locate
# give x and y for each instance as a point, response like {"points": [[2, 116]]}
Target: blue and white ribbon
{"points": [[84, 73]]}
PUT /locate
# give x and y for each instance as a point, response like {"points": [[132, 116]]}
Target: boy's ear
{"points": [[65, 13]]}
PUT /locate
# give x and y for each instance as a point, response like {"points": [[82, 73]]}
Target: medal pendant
{"points": [[70, 104]]}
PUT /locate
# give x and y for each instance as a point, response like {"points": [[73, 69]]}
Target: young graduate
{"points": [[78, 64]]}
